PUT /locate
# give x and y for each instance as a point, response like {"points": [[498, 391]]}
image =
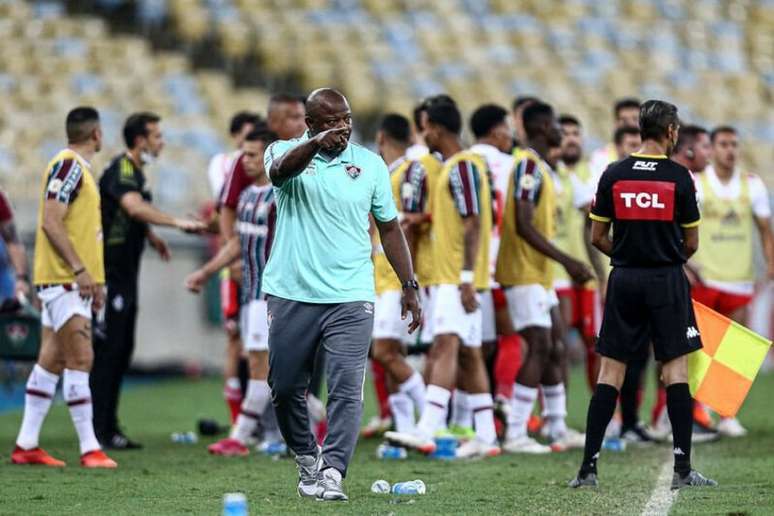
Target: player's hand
{"points": [[468, 297], [411, 219], [195, 281], [409, 302], [98, 300], [160, 245], [335, 138], [578, 271], [190, 226], [86, 285], [22, 288]]}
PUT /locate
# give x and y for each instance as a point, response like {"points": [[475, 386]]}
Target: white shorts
{"points": [[387, 321], [428, 303], [530, 305], [488, 324], [60, 305], [450, 317], [254, 326]]}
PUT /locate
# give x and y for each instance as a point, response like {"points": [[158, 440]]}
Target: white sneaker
{"points": [[376, 426], [525, 444], [571, 440], [731, 427], [477, 449], [413, 440]]}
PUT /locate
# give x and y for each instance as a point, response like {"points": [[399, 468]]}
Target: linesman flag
{"points": [[721, 374]]}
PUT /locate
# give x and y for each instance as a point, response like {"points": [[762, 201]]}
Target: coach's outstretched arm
{"points": [[397, 252], [294, 161]]}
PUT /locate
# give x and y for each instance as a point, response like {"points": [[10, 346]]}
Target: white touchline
{"points": [[662, 497]]}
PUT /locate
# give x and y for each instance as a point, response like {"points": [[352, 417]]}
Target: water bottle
{"points": [[445, 448], [380, 487], [234, 504], [413, 487], [386, 451], [614, 444], [184, 438]]}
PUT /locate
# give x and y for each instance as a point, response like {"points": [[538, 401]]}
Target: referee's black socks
{"points": [[601, 409], [680, 410]]}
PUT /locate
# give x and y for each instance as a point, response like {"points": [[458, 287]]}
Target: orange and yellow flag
{"points": [[721, 374]]}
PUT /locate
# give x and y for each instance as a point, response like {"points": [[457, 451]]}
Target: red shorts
{"points": [[585, 309], [720, 301], [498, 296]]}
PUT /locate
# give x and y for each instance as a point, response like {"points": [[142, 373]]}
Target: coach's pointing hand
{"points": [[333, 138], [409, 302]]}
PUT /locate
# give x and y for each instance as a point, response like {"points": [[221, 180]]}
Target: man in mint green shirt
{"points": [[319, 282]]}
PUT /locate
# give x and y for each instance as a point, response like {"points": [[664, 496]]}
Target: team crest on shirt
{"points": [[527, 182], [55, 185], [353, 171]]}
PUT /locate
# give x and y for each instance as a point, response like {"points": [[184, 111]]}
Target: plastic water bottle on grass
{"points": [[413, 487], [380, 487], [234, 504], [387, 451]]}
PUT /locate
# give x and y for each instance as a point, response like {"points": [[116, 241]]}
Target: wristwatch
{"points": [[410, 284]]}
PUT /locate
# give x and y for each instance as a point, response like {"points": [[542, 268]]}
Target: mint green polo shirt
{"points": [[322, 250]]}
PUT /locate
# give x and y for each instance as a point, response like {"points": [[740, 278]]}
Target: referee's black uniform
{"points": [[650, 201], [124, 240]]}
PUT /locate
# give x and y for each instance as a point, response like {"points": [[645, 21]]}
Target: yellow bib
{"points": [[569, 221], [519, 263], [426, 264], [726, 235], [385, 278], [83, 224], [448, 230]]}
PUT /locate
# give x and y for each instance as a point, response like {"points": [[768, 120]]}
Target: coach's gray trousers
{"points": [[296, 330]]}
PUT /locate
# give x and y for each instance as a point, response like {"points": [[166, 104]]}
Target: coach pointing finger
{"points": [[319, 281]]}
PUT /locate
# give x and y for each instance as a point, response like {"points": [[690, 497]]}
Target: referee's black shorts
{"points": [[644, 306]]}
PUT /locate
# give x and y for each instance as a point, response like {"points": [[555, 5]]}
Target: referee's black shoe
{"points": [[118, 441], [584, 480], [692, 479]]}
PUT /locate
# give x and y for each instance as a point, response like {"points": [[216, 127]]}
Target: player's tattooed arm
{"points": [[8, 232]]}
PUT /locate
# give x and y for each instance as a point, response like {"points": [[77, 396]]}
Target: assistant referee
{"points": [[650, 201]]}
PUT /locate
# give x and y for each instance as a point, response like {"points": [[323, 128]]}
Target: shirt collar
{"points": [[395, 164], [486, 150], [88, 163]]}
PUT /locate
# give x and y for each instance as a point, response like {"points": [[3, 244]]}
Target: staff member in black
{"points": [[651, 203], [127, 213]]}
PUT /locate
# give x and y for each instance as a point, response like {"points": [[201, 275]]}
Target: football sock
{"points": [[41, 387], [522, 402], [462, 415], [507, 364], [601, 410], [659, 405], [482, 407], [77, 395], [436, 407], [680, 409], [255, 402], [554, 409], [402, 411], [415, 388], [232, 392], [380, 386]]}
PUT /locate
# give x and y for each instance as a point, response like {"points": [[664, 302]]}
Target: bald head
{"points": [[327, 109]]}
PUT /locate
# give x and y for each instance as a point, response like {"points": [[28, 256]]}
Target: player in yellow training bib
{"points": [[461, 227], [525, 270], [69, 276]]}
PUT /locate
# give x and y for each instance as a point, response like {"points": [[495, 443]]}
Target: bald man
{"points": [[319, 282]]}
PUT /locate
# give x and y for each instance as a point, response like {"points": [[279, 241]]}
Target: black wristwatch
{"points": [[410, 284]]}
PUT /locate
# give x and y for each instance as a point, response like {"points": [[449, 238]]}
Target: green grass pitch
{"points": [[169, 478]]}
